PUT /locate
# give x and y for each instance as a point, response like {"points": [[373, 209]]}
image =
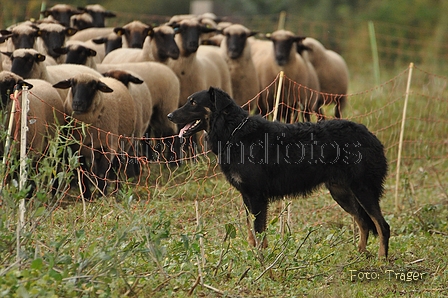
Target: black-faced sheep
{"points": [[237, 53], [61, 13], [28, 64], [79, 52], [98, 14], [158, 46], [108, 108], [164, 87], [45, 109], [51, 37], [332, 72], [134, 34], [20, 36], [111, 42], [281, 55], [197, 71]]}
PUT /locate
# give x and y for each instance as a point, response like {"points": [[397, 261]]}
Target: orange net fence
{"points": [[147, 166]]}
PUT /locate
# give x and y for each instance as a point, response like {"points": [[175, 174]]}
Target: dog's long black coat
{"points": [[267, 160]]}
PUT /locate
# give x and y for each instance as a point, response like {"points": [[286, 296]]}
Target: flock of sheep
{"points": [[123, 81]]}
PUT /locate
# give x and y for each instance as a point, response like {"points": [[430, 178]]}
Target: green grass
{"points": [[146, 239]]}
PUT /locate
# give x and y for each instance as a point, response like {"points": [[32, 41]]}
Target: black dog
{"points": [[267, 160]]}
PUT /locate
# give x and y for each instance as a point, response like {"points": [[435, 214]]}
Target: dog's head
{"points": [[195, 115]]}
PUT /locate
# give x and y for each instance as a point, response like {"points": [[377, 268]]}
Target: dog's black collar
{"points": [[239, 127], [234, 131]]}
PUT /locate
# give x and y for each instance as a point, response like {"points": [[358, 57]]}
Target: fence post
{"points": [[281, 20], [400, 142], [23, 161], [376, 63], [277, 96]]}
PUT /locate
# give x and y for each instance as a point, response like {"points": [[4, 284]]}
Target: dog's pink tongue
{"points": [[184, 129]]}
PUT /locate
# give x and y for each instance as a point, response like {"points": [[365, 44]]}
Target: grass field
{"points": [[182, 232]]}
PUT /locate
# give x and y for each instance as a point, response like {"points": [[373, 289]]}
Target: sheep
{"points": [[111, 42], [332, 72], [237, 52], [61, 13], [134, 34], [141, 94], [51, 37], [280, 55], [108, 108], [143, 103], [28, 63], [92, 33], [79, 53], [20, 36], [165, 88], [197, 71], [45, 108], [81, 21], [98, 14], [159, 46]]}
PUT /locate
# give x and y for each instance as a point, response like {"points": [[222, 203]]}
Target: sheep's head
{"points": [[98, 14], [283, 45], [189, 32], [134, 32], [84, 89], [8, 81], [22, 36], [166, 47], [24, 61], [61, 13], [236, 37]]}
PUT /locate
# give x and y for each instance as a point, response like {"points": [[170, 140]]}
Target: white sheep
{"points": [[236, 50], [29, 64], [45, 109], [197, 71], [92, 33], [158, 46], [61, 13], [108, 108], [133, 33], [98, 14], [51, 37], [165, 88], [332, 72], [281, 55]]}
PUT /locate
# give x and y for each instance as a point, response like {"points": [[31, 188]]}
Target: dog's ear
{"points": [[220, 99]]}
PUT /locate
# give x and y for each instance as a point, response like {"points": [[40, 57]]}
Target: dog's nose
{"points": [[170, 116]]}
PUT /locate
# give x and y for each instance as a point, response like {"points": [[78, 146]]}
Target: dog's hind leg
{"points": [[347, 200], [259, 210], [371, 205]]}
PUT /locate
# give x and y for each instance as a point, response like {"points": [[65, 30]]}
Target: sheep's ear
{"points": [[151, 32], [252, 33], [65, 84], [119, 31], [134, 80], [104, 88], [299, 38], [24, 83], [207, 29], [39, 57], [92, 53], [109, 14], [100, 40], [9, 54], [70, 31]]}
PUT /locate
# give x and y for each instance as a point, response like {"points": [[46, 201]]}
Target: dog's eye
{"points": [[192, 102]]}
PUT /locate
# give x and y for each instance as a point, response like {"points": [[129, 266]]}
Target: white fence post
{"points": [[400, 142], [23, 166]]}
